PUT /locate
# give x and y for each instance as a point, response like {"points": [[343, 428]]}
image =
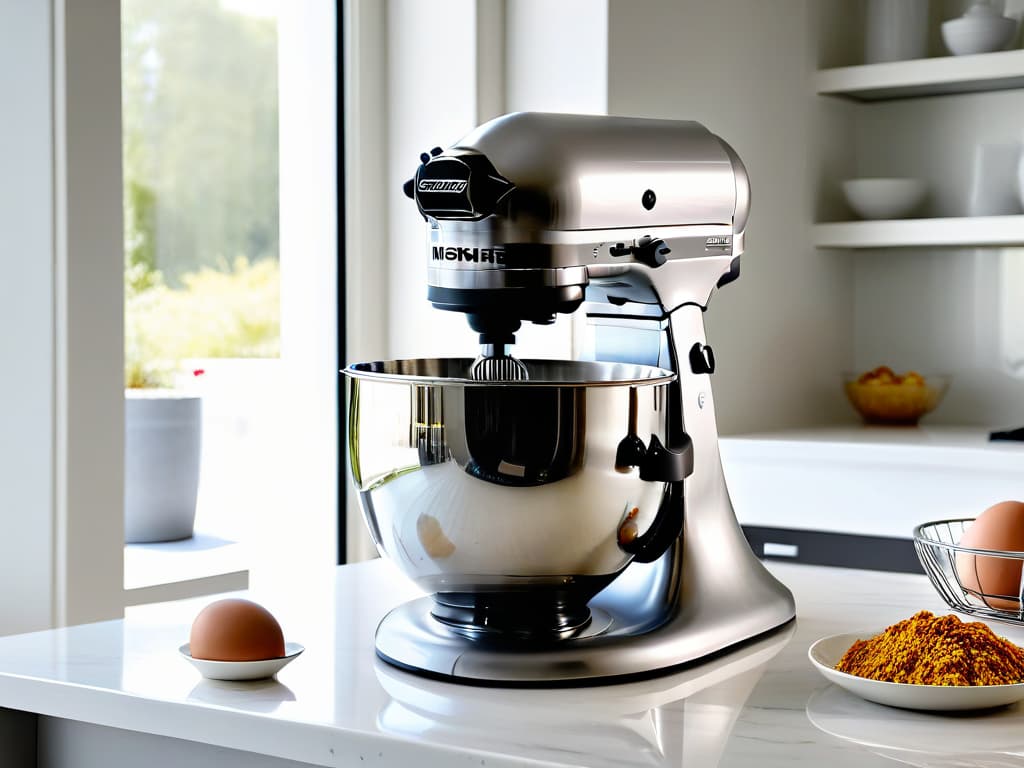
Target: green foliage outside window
{"points": [[226, 312], [200, 139]]}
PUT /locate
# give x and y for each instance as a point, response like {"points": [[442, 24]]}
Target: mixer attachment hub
{"points": [[542, 616], [497, 364]]}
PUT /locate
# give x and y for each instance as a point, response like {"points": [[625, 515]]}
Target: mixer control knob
{"points": [[651, 252]]}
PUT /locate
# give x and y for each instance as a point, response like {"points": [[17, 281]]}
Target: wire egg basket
{"points": [[953, 571]]}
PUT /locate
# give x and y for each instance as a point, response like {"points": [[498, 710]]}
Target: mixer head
{"points": [[527, 208]]}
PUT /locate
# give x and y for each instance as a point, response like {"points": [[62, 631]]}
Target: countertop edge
{"points": [[314, 743]]}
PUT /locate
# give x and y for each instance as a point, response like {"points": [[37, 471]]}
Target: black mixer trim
{"points": [[732, 275], [537, 616], [459, 185], [842, 550], [496, 310]]}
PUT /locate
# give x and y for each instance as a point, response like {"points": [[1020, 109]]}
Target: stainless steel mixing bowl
{"points": [[504, 499]]}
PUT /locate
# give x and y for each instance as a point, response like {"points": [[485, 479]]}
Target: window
{"points": [[222, 191]]}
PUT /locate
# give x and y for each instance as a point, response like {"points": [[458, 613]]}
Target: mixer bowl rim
{"points": [[643, 375]]}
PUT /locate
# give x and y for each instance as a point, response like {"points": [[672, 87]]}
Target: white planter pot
{"points": [[163, 443]]}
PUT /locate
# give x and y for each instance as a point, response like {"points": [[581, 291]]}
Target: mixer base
{"points": [[608, 650]]}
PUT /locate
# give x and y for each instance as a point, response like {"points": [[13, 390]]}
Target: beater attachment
{"points": [[495, 363]]}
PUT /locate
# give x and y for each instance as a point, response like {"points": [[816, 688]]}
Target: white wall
{"points": [[557, 56], [431, 102], [26, 316], [783, 332]]}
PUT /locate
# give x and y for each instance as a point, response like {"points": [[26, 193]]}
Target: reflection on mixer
{"points": [[435, 543]]}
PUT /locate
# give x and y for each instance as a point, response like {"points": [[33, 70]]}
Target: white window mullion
{"points": [[88, 340], [303, 533]]}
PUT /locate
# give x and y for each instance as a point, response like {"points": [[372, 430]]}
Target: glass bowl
{"points": [[884, 397]]}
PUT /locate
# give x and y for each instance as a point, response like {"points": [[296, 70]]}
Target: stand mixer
{"points": [[557, 544]]}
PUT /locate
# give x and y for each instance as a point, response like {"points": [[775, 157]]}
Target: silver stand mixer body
{"points": [[633, 224]]}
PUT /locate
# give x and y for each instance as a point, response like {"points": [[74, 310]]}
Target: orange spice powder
{"points": [[936, 650]]}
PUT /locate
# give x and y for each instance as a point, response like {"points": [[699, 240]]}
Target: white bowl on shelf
{"points": [[884, 198], [981, 30]]}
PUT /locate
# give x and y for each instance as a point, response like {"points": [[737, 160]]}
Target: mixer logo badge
{"points": [[718, 242], [474, 255], [441, 185]]}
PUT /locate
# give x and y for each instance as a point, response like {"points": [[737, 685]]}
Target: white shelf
{"points": [[924, 77], [909, 233], [176, 570]]}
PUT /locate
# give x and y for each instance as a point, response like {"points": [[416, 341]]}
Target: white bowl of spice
{"points": [[938, 680]]}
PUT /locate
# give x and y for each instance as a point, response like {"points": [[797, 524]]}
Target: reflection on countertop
{"points": [[680, 719], [991, 738]]}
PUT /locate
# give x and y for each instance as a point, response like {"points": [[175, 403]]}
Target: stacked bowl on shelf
{"points": [[982, 29]]}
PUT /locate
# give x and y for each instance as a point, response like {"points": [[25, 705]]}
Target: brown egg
{"points": [[236, 630], [1001, 526]]}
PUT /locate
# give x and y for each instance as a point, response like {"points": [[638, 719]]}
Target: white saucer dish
{"points": [[884, 198], [827, 652], [242, 670], [981, 30]]}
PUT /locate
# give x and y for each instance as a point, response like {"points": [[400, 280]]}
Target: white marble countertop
{"points": [[763, 705]]}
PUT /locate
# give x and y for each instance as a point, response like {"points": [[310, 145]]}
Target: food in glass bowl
{"points": [[882, 396]]}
